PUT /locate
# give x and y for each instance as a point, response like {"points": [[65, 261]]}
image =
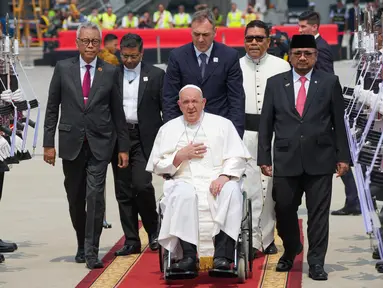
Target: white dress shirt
{"points": [[298, 83], [130, 97], [92, 70], [208, 52]]}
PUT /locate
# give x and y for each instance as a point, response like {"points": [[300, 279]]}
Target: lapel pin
{"points": [[99, 69], [145, 79], [215, 59], [316, 82], [288, 84]]}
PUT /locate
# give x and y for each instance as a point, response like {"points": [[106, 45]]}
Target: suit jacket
{"points": [[221, 86], [100, 121], [149, 104], [325, 60], [313, 143]]}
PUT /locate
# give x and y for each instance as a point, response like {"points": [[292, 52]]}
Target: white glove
{"points": [[17, 96], [6, 95], [5, 148], [19, 143]]}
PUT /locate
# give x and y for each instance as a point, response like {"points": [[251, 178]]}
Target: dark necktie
{"points": [[86, 83], [203, 57]]}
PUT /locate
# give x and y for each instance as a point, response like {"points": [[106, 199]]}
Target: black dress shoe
{"points": [[94, 263], [271, 249], [286, 262], [187, 264], [2, 259], [6, 247], [221, 264], [128, 250], [153, 242], [316, 272], [375, 254], [80, 255], [347, 211]]}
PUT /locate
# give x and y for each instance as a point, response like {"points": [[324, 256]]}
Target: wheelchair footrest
{"points": [[181, 275], [217, 273]]}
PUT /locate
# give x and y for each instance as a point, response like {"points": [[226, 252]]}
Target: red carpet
{"points": [[144, 272]]}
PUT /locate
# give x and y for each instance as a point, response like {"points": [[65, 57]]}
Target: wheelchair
{"points": [[243, 256]]}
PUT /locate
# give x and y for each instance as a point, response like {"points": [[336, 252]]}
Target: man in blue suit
{"points": [[212, 66]]}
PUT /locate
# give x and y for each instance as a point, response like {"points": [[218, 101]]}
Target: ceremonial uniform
{"points": [[255, 75]]}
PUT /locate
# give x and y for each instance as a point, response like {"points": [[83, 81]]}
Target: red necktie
{"points": [[301, 96], [86, 83]]}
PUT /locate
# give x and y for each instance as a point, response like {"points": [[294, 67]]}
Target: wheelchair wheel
{"points": [[250, 247], [242, 270]]}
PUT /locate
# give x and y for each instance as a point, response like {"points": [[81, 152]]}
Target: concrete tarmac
{"points": [[34, 214]]}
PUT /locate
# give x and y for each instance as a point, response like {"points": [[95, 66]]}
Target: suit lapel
{"points": [[212, 64], [192, 61], [289, 88], [76, 76], [144, 79], [313, 88], [99, 71], [121, 80]]}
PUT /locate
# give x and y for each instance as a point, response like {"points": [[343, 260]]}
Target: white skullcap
{"points": [[191, 86]]}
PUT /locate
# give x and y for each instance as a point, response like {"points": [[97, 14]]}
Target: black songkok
{"points": [[303, 41]]}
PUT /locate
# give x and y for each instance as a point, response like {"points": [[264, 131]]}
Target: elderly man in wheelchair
{"points": [[203, 159]]}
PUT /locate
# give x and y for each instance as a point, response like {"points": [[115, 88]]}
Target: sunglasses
{"points": [[259, 39]]}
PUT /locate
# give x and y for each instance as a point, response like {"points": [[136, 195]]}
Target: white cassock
{"points": [[258, 186], [192, 214]]}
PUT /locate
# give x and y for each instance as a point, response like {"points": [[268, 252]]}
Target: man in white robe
{"points": [[257, 66], [205, 158]]}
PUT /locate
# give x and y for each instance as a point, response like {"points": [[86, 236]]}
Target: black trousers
{"points": [[84, 184], [352, 198], [223, 247], [134, 192], [1, 183], [287, 194]]}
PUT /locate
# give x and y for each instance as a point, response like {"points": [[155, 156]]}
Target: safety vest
{"points": [[165, 20], [250, 17], [181, 21], [218, 21], [339, 18], [234, 19], [46, 20], [129, 24], [94, 19], [108, 22]]}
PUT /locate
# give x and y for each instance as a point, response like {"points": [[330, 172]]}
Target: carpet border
{"points": [[108, 259]]}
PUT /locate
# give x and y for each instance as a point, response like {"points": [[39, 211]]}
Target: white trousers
{"points": [[183, 219]]}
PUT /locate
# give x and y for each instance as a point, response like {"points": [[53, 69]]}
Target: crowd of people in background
{"points": [[67, 16]]}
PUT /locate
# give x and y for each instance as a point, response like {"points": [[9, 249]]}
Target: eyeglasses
{"points": [[134, 57], [86, 42], [305, 53], [258, 38]]}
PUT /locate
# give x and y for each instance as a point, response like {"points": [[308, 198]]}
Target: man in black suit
{"points": [[305, 109], [91, 117], [212, 66], [141, 87], [309, 22]]}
